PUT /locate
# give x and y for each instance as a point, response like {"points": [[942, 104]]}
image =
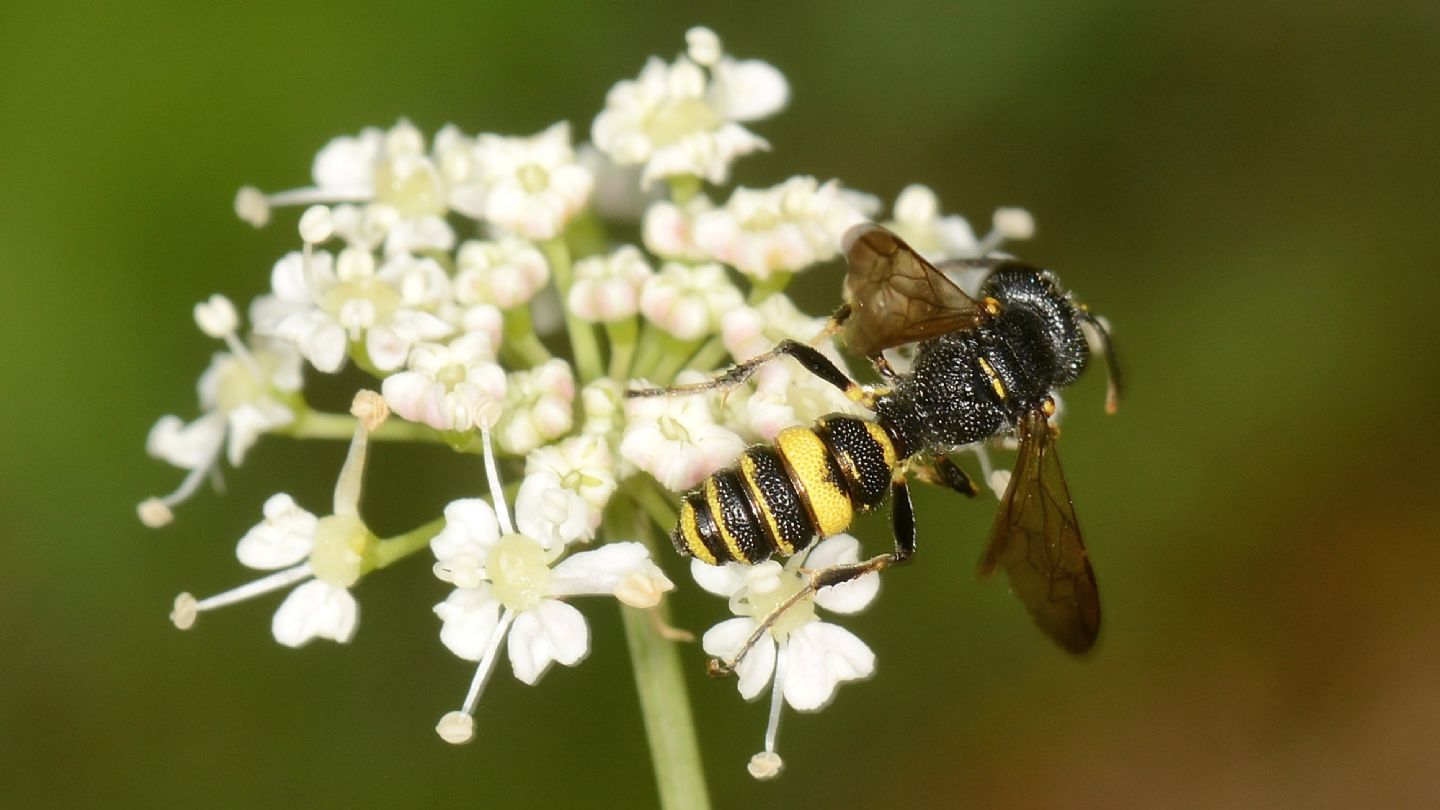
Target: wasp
{"points": [[981, 369]]}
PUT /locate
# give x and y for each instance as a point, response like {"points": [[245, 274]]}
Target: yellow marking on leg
{"points": [[747, 474], [690, 530], [994, 378], [712, 497], [864, 395], [807, 458]]}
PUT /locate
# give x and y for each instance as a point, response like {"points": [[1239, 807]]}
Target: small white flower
{"points": [[607, 288], [533, 186], [507, 272], [244, 393], [539, 407], [781, 229], [918, 221], [325, 556], [668, 229], [802, 658], [385, 180], [676, 439], [689, 301], [323, 305], [681, 118], [602, 403], [581, 464], [510, 580], [449, 387]]}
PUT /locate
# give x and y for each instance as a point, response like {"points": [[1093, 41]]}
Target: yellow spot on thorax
{"points": [[995, 382]]}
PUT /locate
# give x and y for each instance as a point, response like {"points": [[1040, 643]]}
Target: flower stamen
{"points": [[767, 764], [458, 727], [187, 607]]}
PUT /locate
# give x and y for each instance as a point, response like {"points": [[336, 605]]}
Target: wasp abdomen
{"points": [[777, 500]]}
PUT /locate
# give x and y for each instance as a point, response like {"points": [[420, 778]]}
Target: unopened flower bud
{"points": [[216, 316]]}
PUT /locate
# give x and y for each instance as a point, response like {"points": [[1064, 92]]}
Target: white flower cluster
{"points": [[447, 269]]}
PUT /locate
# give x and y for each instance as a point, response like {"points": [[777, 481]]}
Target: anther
{"points": [[370, 408], [765, 765], [639, 590], [187, 609], [456, 728], [251, 206], [154, 513]]}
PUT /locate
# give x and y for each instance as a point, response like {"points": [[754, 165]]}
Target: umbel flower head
{"points": [[475, 282]]}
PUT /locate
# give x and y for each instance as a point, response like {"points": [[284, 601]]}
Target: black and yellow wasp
{"points": [[981, 369]]}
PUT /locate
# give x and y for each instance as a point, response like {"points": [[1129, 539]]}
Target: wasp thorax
{"points": [[519, 571]]}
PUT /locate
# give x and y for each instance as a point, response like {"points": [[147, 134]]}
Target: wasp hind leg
{"points": [[807, 356], [902, 521]]}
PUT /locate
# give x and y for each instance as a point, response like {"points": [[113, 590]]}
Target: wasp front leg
{"points": [[810, 358]]}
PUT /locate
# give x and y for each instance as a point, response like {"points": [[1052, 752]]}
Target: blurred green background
{"points": [[1248, 193]]}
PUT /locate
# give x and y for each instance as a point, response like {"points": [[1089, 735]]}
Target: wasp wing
{"points": [[1037, 540], [897, 297]]}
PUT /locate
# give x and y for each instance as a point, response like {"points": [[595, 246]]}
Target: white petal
{"points": [[553, 631], [470, 528], [282, 539], [724, 640], [187, 446], [550, 513], [820, 656], [315, 610], [750, 89], [249, 422], [852, 596], [602, 570], [722, 580], [469, 616]]}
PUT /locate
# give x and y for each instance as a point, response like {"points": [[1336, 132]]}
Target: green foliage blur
{"points": [[1247, 191]]}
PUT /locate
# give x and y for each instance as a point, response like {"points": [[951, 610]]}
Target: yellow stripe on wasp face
{"points": [[807, 457], [690, 530], [747, 472]]}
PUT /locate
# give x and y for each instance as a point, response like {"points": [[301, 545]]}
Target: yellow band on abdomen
{"points": [[809, 461]]}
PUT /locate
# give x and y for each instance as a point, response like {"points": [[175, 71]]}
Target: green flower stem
{"points": [[710, 355], [684, 187], [393, 549], [674, 356], [648, 353], [655, 502], [320, 425], [777, 282], [582, 336], [622, 336], [521, 344], [664, 702]]}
